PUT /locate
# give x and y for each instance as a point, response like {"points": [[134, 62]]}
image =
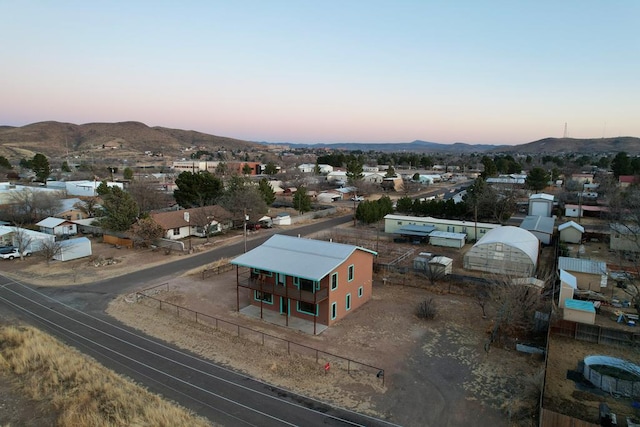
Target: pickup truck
{"points": [[14, 254]]}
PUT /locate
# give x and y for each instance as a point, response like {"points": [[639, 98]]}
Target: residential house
{"points": [[193, 222], [31, 240], [582, 178], [625, 181], [393, 223], [307, 279], [68, 209], [81, 188], [57, 227], [589, 274], [624, 237]]}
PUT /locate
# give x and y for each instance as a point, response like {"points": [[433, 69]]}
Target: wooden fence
{"points": [[211, 271], [595, 334], [325, 358], [553, 419], [118, 241]]}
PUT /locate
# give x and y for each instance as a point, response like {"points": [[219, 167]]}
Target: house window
{"points": [[360, 291], [263, 296], [350, 273], [263, 272], [451, 228], [307, 308], [176, 231], [334, 310], [334, 281], [306, 285], [347, 302], [281, 279]]}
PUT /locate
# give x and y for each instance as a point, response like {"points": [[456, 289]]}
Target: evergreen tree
{"points": [[127, 174], [267, 191], [271, 169], [197, 189], [40, 166], [621, 165], [537, 179], [391, 172], [65, 167], [118, 209], [301, 200], [354, 170], [4, 163]]}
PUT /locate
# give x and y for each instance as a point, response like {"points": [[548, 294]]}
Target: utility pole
{"points": [[246, 218]]}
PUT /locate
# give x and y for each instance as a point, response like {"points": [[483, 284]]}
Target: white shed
{"points": [[441, 265], [571, 232], [540, 226], [74, 249], [541, 204], [282, 218], [568, 284], [505, 250], [57, 226], [447, 239]]}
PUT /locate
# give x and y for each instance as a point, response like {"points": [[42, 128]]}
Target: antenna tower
{"points": [[565, 130]]}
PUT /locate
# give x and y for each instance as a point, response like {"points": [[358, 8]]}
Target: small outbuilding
{"points": [[571, 232], [541, 204], [74, 249], [57, 226], [590, 274], [505, 250], [568, 284], [441, 265], [540, 226], [283, 218], [447, 239], [579, 311]]}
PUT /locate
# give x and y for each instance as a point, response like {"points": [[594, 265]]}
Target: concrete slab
{"points": [[281, 320]]}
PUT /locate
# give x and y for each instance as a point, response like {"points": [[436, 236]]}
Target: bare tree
{"points": [[147, 195], [515, 307], [89, 207], [49, 249], [29, 205], [147, 231], [205, 217], [22, 240]]}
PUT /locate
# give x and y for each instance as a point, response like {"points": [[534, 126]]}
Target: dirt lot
{"points": [[436, 373]]}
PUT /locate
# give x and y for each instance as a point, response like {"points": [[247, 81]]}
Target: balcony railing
{"points": [[283, 291]]}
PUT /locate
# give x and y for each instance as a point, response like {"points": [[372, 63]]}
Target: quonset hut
{"points": [[505, 250]]}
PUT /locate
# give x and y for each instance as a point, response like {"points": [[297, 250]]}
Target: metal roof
{"points": [[52, 222], [542, 196], [575, 304], [582, 265], [569, 279], [571, 224], [298, 257], [416, 230], [541, 224], [448, 235]]}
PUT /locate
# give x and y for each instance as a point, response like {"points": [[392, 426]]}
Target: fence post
{"points": [[348, 366], [262, 339], [238, 330], [316, 355], [288, 347], [160, 305]]}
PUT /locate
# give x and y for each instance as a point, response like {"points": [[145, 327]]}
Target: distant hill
{"points": [[413, 147], [127, 139], [628, 144]]}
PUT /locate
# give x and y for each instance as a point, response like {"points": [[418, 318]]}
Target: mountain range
{"points": [[132, 139]]}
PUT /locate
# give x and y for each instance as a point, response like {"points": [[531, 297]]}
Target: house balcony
{"points": [[262, 285]]}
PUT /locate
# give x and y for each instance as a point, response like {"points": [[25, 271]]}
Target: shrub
{"points": [[427, 309]]}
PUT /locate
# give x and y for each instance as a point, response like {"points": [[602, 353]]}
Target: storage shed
{"points": [[540, 226], [579, 311], [590, 274], [505, 250], [571, 232], [74, 249], [445, 238], [568, 284], [541, 204], [441, 265], [283, 218]]}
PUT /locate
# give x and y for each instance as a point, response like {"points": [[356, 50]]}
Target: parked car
{"points": [[357, 198], [14, 254], [7, 249]]}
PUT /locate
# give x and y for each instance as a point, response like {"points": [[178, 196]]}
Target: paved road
{"points": [[76, 316]]}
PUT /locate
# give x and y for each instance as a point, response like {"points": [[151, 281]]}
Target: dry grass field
{"points": [[69, 389]]}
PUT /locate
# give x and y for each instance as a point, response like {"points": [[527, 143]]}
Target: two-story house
{"points": [[313, 280]]}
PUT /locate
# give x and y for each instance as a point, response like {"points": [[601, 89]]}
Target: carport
{"points": [[416, 232]]}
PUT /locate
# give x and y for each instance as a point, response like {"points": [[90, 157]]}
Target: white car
{"points": [[357, 198], [14, 254]]}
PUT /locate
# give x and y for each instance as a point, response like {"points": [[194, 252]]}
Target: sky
{"points": [[496, 72]]}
